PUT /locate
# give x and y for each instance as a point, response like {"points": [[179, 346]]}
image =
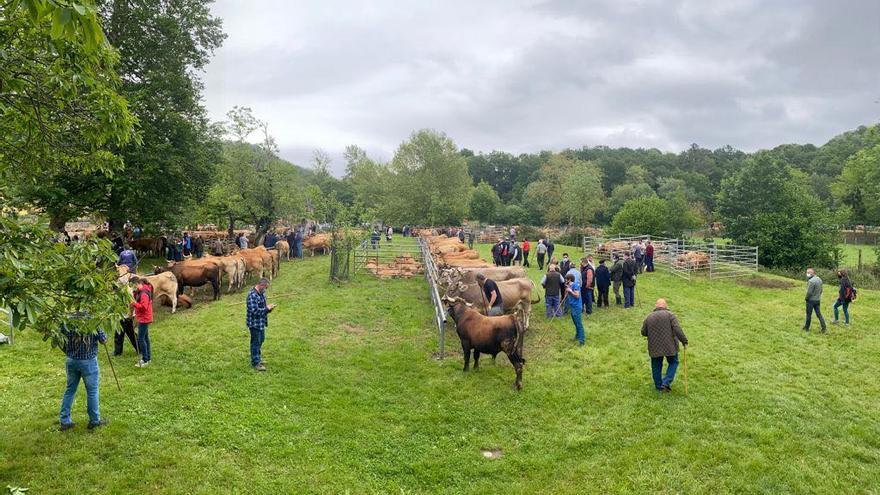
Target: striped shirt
{"points": [[82, 347]]}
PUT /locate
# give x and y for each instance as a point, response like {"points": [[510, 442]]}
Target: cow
{"points": [[316, 242], [283, 248], [515, 293], [488, 335], [230, 267], [254, 263], [146, 245], [184, 301], [469, 275], [164, 286], [193, 275]]}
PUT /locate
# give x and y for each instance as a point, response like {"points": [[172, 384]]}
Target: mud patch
{"points": [[766, 283], [494, 453]]}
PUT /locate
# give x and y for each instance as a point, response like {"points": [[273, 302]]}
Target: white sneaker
{"points": [[140, 364]]}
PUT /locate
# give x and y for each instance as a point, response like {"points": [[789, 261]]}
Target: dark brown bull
{"points": [[488, 335], [194, 275]]}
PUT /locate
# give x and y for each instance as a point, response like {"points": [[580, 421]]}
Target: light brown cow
{"points": [[283, 249], [164, 285], [515, 293]]}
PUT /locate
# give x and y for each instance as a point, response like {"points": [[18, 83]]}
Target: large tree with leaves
{"points": [[59, 109]]}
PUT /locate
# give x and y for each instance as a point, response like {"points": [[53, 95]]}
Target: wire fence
{"points": [[401, 257], [432, 275], [682, 257]]}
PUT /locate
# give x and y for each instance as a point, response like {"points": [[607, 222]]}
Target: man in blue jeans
{"points": [[82, 363], [663, 331], [573, 296], [257, 320]]}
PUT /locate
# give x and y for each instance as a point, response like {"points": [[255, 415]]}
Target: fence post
{"points": [[860, 260]]}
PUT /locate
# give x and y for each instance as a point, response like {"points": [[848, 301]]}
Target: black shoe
{"points": [[805, 329], [100, 423], [66, 426], [666, 388], [824, 329]]}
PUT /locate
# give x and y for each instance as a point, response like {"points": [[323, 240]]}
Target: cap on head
{"points": [[661, 304]]}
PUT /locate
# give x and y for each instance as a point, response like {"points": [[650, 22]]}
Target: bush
{"points": [[654, 216]]}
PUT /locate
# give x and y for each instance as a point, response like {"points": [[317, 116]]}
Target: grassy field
{"points": [[851, 254], [354, 401]]}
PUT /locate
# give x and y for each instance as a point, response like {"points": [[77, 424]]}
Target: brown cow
{"points": [[515, 294], [316, 242], [488, 335], [283, 249], [469, 275], [194, 275]]}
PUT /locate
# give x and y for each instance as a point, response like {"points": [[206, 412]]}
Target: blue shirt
{"points": [[257, 311], [574, 302], [82, 347], [129, 259], [577, 275]]}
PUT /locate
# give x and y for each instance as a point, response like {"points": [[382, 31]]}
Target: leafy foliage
{"points": [[859, 185], [655, 216], [767, 206], [485, 203]]}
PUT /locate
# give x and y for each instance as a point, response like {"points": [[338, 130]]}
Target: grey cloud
{"points": [[530, 75]]}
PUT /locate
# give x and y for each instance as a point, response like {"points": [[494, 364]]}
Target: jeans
{"points": [[579, 333], [845, 305], [87, 369], [258, 335], [603, 297], [649, 263], [588, 301], [299, 249], [553, 307], [144, 342], [640, 263], [526, 259], [628, 296], [540, 261], [814, 306], [657, 370]]}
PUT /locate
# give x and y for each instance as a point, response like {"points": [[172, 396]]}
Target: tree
{"points": [[369, 181], [253, 184], [484, 203], [626, 192], [513, 215], [766, 205], [430, 182], [859, 185], [567, 190], [58, 108], [654, 216]]}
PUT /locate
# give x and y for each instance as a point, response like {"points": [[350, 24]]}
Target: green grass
{"points": [[355, 402], [851, 254]]}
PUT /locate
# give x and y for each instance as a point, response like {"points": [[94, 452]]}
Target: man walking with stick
{"points": [[82, 363], [257, 320], [663, 331]]}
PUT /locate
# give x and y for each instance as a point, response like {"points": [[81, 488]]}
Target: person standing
{"points": [[630, 269], [588, 273], [492, 296], [187, 245], [512, 233], [663, 331], [244, 241], [603, 281], [573, 295], [649, 257], [461, 235], [845, 295], [217, 247], [526, 247], [638, 255], [257, 319], [550, 248], [542, 252], [291, 243], [389, 233], [199, 246], [82, 363], [516, 253], [505, 252], [470, 239], [143, 313], [565, 265], [617, 277], [126, 329], [496, 253], [298, 241], [814, 299], [553, 284], [374, 238], [128, 258]]}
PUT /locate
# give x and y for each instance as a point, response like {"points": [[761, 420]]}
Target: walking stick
{"points": [[638, 295], [685, 370], [111, 366]]}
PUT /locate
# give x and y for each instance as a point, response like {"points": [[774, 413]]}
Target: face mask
{"points": [[809, 276], [565, 258]]}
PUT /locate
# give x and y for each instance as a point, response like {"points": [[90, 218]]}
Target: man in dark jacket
{"points": [[565, 264], [491, 296], [550, 248], [630, 269], [617, 277], [553, 284], [603, 282], [496, 252], [663, 331]]}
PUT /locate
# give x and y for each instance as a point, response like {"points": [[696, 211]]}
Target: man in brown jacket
{"points": [[664, 333]]}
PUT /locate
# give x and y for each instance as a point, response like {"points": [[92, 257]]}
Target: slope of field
{"points": [[354, 401]]}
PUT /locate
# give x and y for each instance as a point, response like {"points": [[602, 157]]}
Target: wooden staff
{"points": [[111, 366], [685, 370]]}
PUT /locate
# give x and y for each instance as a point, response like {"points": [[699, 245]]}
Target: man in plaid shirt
{"points": [[257, 319], [82, 363]]}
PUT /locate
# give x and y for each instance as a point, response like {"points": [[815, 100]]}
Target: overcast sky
{"points": [[523, 76]]}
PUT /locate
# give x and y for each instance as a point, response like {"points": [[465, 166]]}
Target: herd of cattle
{"points": [[458, 268], [169, 281]]}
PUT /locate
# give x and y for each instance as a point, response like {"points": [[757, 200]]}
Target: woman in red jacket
{"points": [[143, 313]]}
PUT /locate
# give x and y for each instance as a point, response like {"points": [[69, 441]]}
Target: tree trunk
{"points": [[262, 225], [231, 229], [57, 222]]}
